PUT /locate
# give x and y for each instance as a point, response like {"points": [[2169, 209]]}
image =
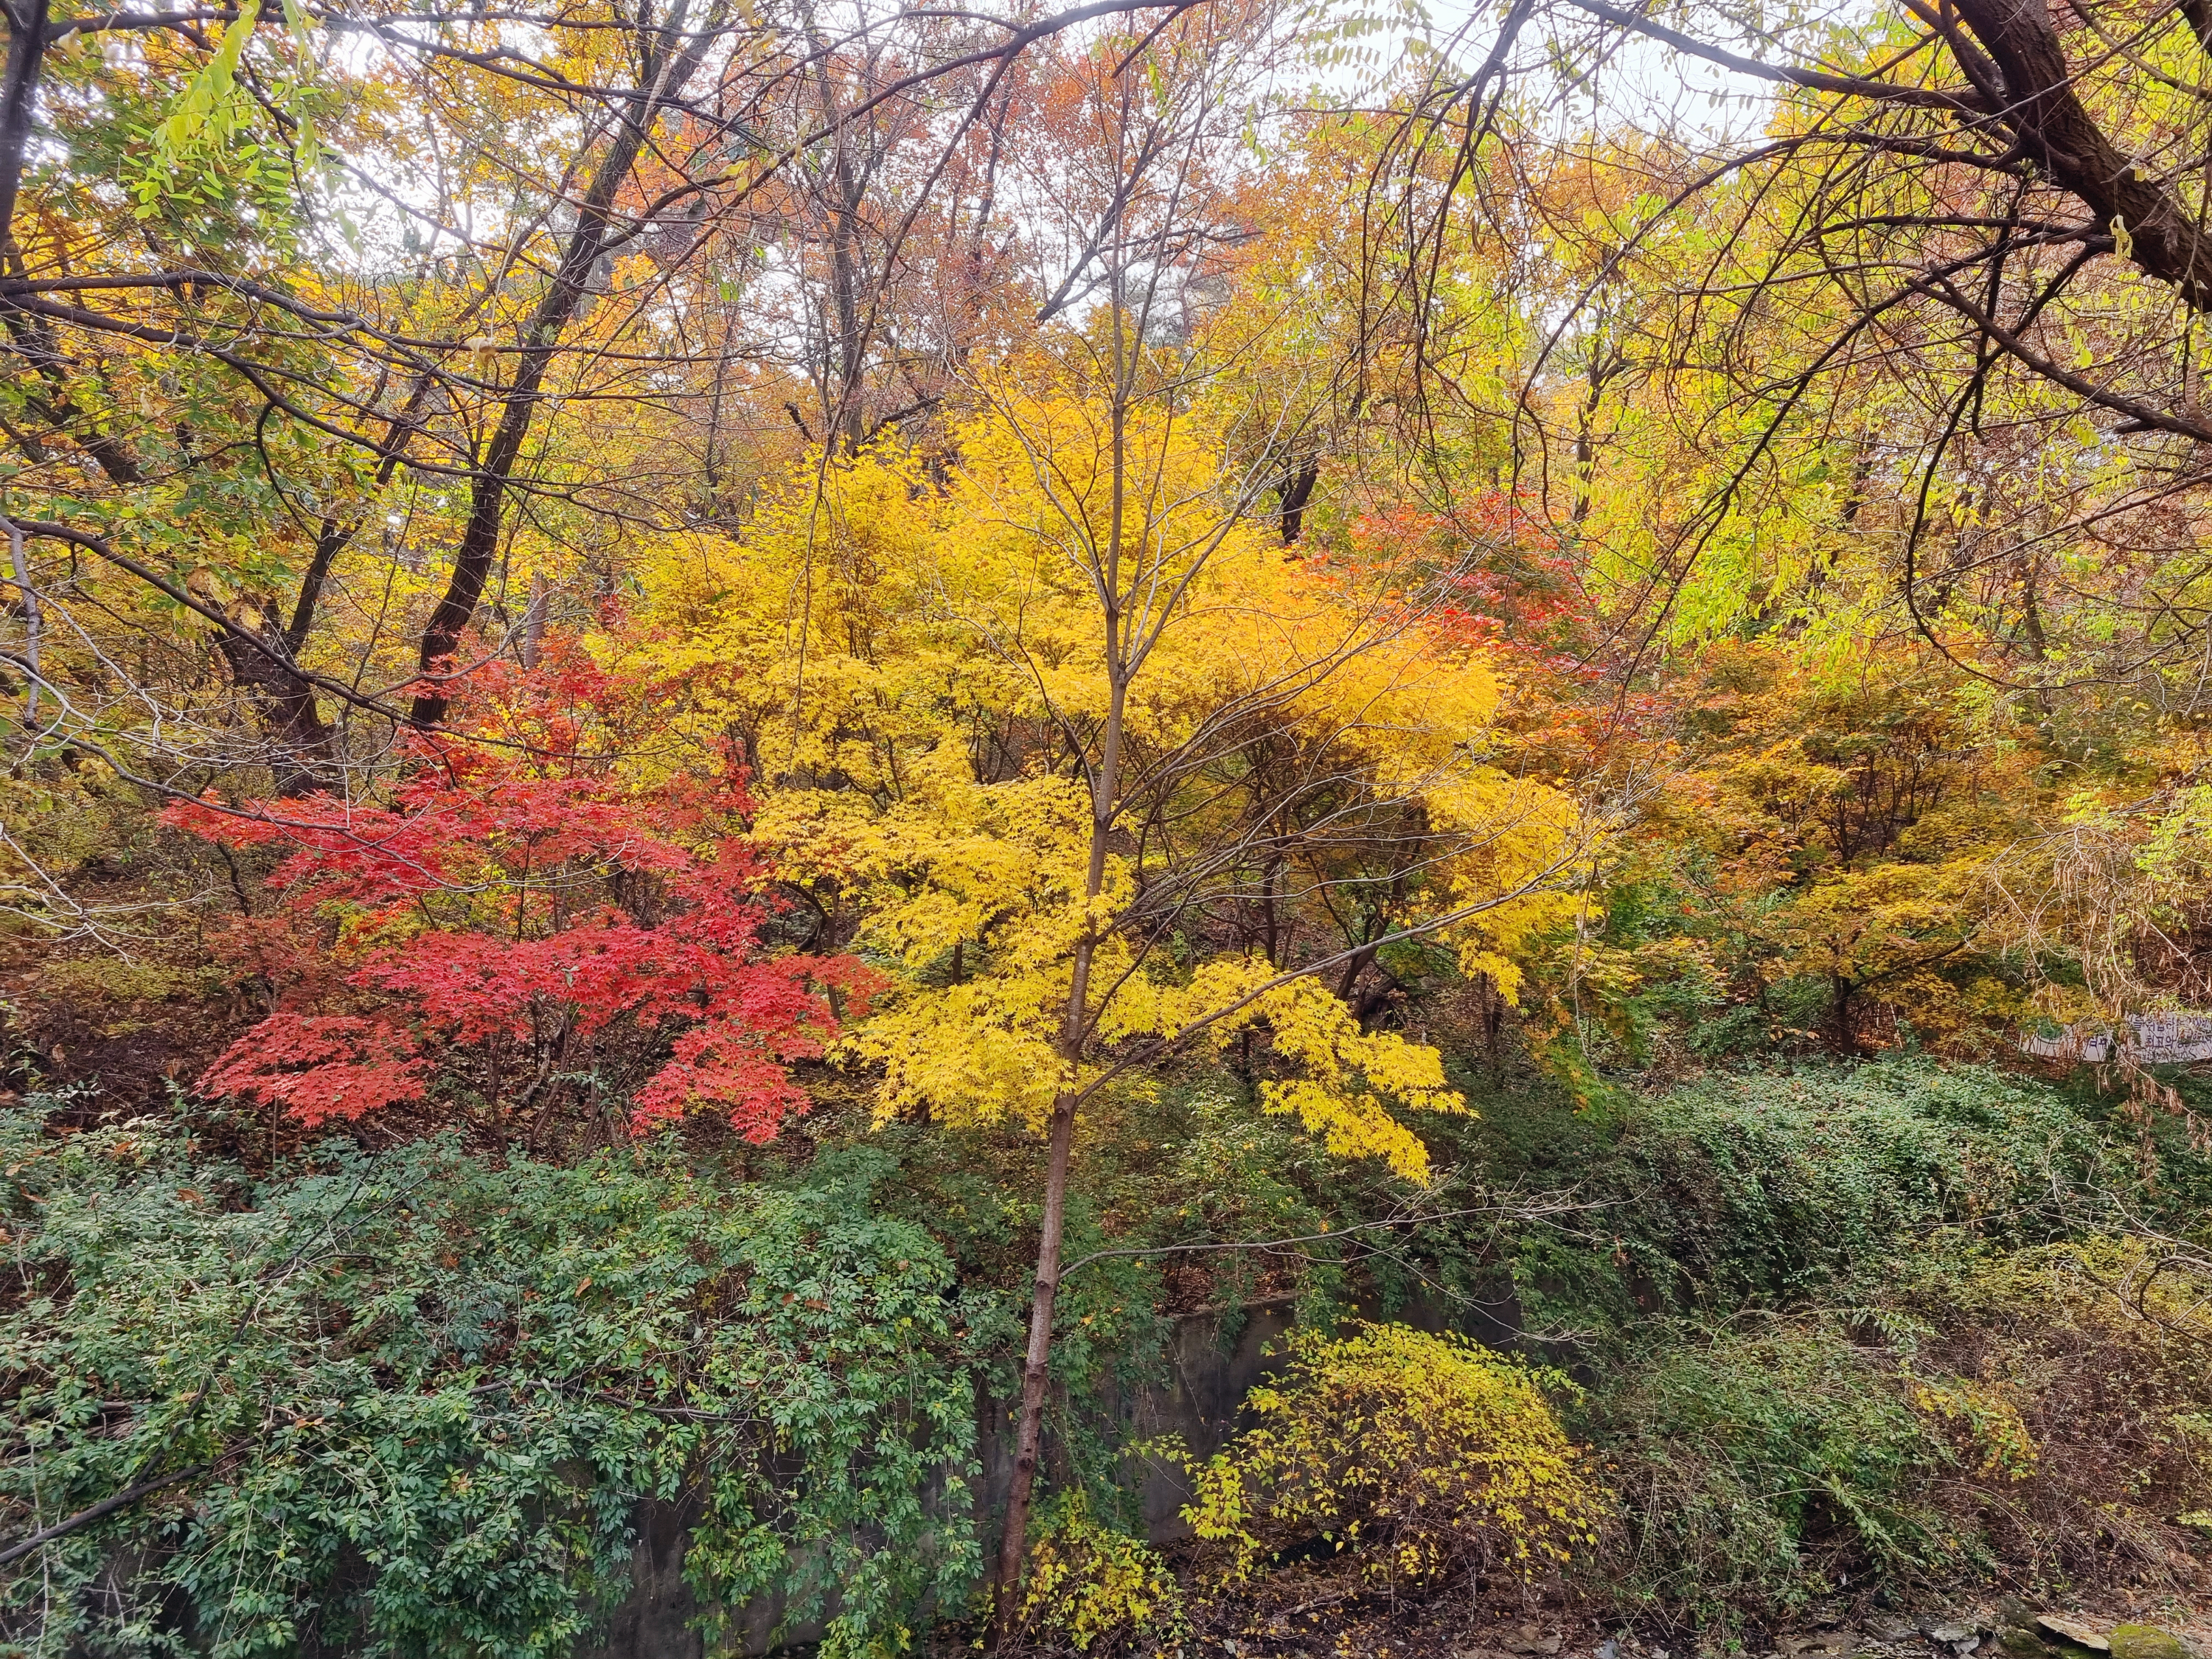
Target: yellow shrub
{"points": [[1086, 1582], [1997, 1438], [1424, 1453]]}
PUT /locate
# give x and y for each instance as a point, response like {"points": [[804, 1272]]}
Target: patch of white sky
{"points": [[1574, 79], [398, 208], [1576, 75], [1579, 82]]}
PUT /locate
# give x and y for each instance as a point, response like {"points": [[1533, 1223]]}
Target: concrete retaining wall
{"points": [[1214, 1361]]}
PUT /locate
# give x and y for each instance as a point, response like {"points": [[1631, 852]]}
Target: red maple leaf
{"points": [[522, 894]]}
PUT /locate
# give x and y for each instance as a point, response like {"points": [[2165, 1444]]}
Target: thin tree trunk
{"points": [[32, 339], [533, 620], [1106, 784], [1036, 1373], [844, 364], [33, 336], [32, 623]]}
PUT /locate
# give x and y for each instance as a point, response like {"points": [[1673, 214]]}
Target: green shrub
{"points": [[1797, 1357], [408, 1404], [2101, 1348], [1760, 1471], [2032, 1413], [1774, 1186], [1777, 1187]]}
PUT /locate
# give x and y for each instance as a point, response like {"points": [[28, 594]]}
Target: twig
{"points": [[106, 1506]]}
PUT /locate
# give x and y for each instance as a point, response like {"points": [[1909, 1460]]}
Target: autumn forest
{"points": [[1174, 828]]}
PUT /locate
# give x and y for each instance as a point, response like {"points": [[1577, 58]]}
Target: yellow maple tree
{"points": [[1035, 718]]}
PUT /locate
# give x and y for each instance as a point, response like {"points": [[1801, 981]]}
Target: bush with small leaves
{"points": [[1429, 1456], [410, 1403], [1088, 1586]]}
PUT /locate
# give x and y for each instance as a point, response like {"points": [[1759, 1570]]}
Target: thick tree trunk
{"points": [[667, 68], [308, 743], [1295, 492], [19, 93], [2039, 105], [1840, 990]]}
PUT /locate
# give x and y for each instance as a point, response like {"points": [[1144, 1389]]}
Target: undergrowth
{"points": [[1797, 1334], [409, 1403]]}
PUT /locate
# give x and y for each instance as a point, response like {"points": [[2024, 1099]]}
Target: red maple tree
{"points": [[532, 902]]}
